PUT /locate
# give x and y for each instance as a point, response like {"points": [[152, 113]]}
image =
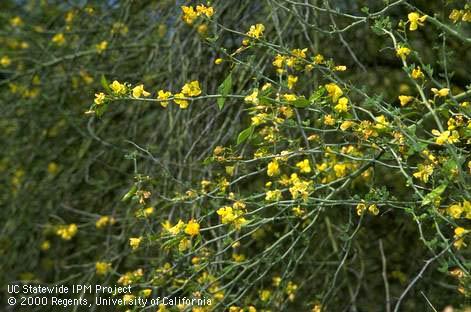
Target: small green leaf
{"points": [[245, 134], [130, 193], [105, 84], [301, 102], [430, 197], [224, 89]]}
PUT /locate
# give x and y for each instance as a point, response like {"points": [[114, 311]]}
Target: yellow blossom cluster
{"points": [[190, 14], [67, 232], [233, 215]]}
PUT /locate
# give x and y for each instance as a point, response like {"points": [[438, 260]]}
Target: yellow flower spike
{"points": [[405, 99], [440, 93], [402, 52], [415, 20], [139, 91], [334, 91], [163, 95], [273, 169], [192, 228]]}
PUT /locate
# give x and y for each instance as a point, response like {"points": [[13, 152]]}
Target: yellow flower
{"points": [[101, 47], [278, 61], [340, 68], [189, 14], [118, 88], [148, 211], [252, 98], [273, 169], [381, 122], [264, 295], [405, 99], [402, 52], [415, 20], [334, 91], [146, 292], [329, 120], [139, 91], [104, 221], [417, 73], [342, 105], [455, 15], [102, 268], [45, 245], [99, 98], [218, 61], [455, 210], [446, 136], [440, 93], [192, 228], [318, 59], [346, 125], [274, 195], [373, 209], [256, 31], [66, 232], [58, 39], [5, 61], [174, 230], [424, 172], [304, 166], [290, 97], [134, 242], [361, 207], [191, 88], [178, 99], [259, 119], [204, 10], [292, 81], [16, 21], [163, 95], [340, 170]]}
